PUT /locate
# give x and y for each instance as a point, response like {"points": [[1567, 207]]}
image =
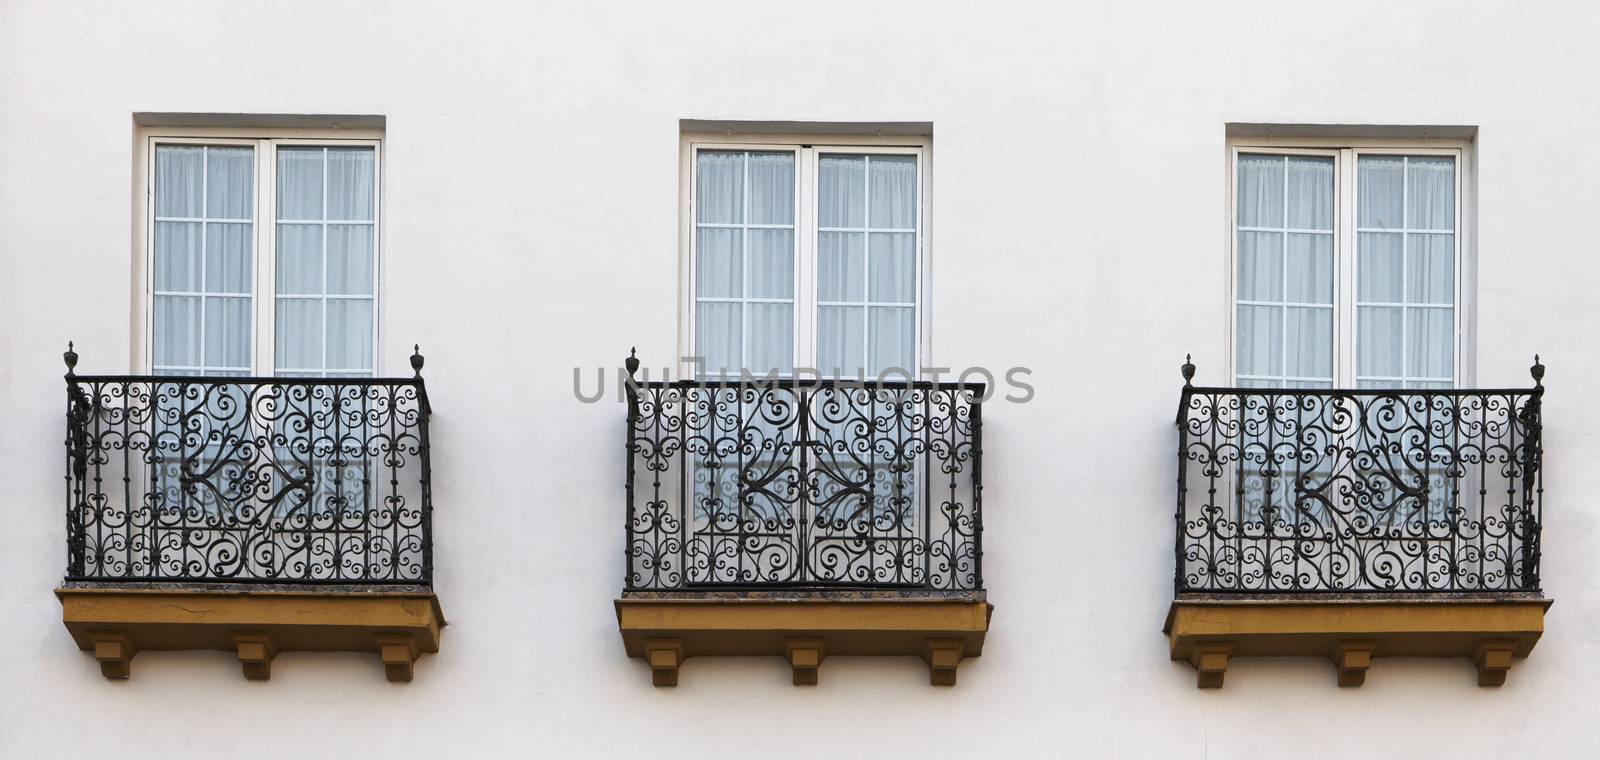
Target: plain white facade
{"points": [[1077, 224]]}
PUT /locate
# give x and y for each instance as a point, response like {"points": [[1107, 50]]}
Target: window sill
{"points": [[115, 622], [1491, 629], [666, 628]]}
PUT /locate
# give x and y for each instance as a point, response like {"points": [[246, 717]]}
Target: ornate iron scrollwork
{"points": [[1358, 490], [280, 480], [803, 484]]}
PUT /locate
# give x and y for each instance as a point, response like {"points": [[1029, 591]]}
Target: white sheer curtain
{"points": [[204, 233], [744, 261], [866, 264], [1284, 298], [1405, 271], [325, 261]]}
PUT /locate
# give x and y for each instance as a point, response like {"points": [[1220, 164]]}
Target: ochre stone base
{"points": [[116, 623], [1209, 631], [666, 629]]}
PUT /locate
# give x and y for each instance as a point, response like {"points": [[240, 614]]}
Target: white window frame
{"points": [[1346, 153], [807, 150], [263, 253]]}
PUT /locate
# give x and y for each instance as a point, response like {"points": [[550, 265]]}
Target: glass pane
{"points": [[1378, 336], [177, 338], [178, 180], [1380, 184], [1310, 343], [227, 338], [892, 334], [894, 267], [771, 263], [299, 333], [1310, 259], [300, 259], [892, 188], [772, 188], [349, 334], [719, 187], [719, 270], [350, 259], [1430, 269], [1430, 343], [839, 340], [228, 258], [178, 256], [841, 191], [841, 266], [300, 183], [1430, 193], [350, 183], [1260, 340], [718, 335], [1260, 266], [1260, 191], [230, 183], [1310, 193], [771, 337], [1379, 267]]}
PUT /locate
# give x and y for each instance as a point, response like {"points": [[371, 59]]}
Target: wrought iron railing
{"points": [[817, 484], [1358, 490], [258, 480]]}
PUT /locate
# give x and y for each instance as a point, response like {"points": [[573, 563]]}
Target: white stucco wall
{"points": [[531, 216]]}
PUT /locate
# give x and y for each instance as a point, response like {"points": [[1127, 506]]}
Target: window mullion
{"points": [[1346, 263], [265, 286], [205, 171], [805, 296], [1405, 249], [866, 267], [323, 338]]}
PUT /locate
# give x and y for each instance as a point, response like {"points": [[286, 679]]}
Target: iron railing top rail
{"points": [[814, 384], [792, 382], [1189, 389], [416, 380]]}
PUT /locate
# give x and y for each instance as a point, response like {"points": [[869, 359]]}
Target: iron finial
{"points": [[632, 362], [1537, 370], [1188, 370], [70, 357], [416, 359]]}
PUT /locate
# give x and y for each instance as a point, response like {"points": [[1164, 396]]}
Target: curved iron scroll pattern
{"points": [[808, 485], [1351, 491], [248, 480]]}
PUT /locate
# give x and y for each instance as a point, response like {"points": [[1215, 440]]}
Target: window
{"points": [[806, 256], [1348, 267], [233, 295]]}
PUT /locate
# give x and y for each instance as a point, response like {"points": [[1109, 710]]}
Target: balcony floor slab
{"points": [[666, 628], [1490, 629], [117, 622]]}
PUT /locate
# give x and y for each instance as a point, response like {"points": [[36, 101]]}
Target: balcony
{"points": [[803, 520], [1354, 524], [249, 514]]}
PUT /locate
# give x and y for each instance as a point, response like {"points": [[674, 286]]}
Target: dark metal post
{"points": [[1532, 480], [425, 460], [77, 463], [977, 490], [632, 390], [1183, 488]]}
